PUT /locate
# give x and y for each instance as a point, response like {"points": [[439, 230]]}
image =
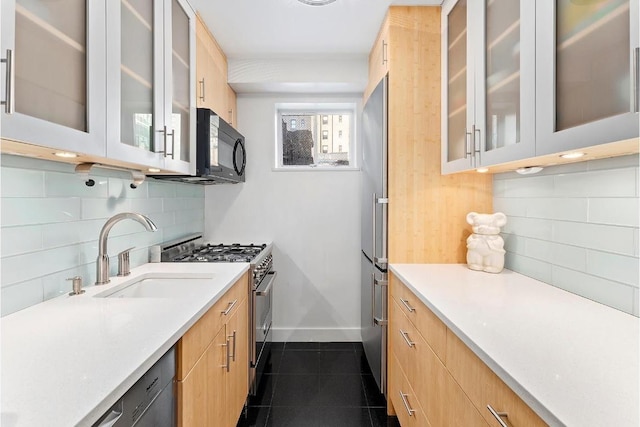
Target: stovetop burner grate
{"points": [[221, 253]]}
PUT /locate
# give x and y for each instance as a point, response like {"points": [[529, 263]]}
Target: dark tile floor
{"points": [[317, 385]]}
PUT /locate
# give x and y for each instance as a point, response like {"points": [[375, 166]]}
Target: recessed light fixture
{"points": [[153, 170], [65, 154], [528, 170], [482, 170], [575, 155], [317, 2]]}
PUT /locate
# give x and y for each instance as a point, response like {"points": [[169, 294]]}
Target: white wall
{"points": [[576, 227], [313, 220]]}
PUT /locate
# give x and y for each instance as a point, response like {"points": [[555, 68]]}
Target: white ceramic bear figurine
{"points": [[485, 247]]}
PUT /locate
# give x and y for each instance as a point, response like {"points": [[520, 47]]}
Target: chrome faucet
{"points": [[102, 263]]}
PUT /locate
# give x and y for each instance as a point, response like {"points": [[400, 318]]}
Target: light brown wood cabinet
{"points": [[213, 363], [452, 388], [213, 91], [426, 210]]}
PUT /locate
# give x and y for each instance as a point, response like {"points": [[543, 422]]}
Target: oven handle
{"points": [[267, 288]]}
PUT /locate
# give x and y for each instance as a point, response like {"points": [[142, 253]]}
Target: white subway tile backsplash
{"points": [[534, 268], [19, 240], [510, 206], [121, 189], [557, 208], [606, 238], [615, 211], [104, 208], [514, 243], [29, 211], [20, 268], [537, 186], [602, 183], [581, 220], [59, 184], [616, 267], [162, 189], [613, 294], [21, 183], [51, 222], [21, 295], [529, 227]]}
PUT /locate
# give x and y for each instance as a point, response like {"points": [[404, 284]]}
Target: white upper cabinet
{"points": [[151, 104], [488, 89], [53, 74], [587, 73]]}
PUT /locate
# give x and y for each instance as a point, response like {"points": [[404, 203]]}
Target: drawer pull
{"points": [[502, 417], [406, 304], [406, 403], [229, 307], [406, 338], [227, 355]]}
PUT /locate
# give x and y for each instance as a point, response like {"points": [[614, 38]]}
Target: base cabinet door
{"points": [[237, 379], [201, 396]]}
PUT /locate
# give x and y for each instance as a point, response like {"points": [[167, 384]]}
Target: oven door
{"points": [[262, 327]]}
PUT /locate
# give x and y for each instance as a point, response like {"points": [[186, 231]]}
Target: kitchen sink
{"points": [[158, 287]]}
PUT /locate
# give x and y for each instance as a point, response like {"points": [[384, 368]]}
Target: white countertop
{"points": [[573, 361], [67, 360]]}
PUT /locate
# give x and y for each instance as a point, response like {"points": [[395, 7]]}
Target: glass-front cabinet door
{"points": [[179, 106], [587, 73], [505, 81], [53, 74], [457, 89], [149, 106]]}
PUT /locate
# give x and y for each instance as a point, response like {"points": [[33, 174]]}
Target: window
{"points": [[307, 135]]}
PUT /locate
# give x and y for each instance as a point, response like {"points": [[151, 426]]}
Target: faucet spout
{"points": [[102, 263]]}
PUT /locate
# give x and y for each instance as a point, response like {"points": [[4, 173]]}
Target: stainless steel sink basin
{"points": [[158, 287]]}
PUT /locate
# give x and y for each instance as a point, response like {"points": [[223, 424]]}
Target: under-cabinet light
{"points": [[574, 155], [482, 170], [65, 154], [153, 170]]}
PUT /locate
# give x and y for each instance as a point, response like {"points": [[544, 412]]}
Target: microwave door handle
{"points": [[238, 145]]}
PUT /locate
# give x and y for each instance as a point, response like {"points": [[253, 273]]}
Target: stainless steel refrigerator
{"points": [[374, 233]]}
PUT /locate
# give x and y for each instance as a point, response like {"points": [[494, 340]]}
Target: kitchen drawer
{"points": [[408, 411], [440, 397], [195, 341], [427, 323], [484, 387]]}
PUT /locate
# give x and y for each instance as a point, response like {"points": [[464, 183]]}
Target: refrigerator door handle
{"points": [[379, 321], [380, 201]]}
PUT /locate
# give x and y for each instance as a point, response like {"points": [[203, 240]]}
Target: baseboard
{"points": [[316, 335]]}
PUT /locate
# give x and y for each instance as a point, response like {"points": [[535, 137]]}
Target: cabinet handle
{"points": [[467, 141], [229, 307], [502, 417], [384, 52], [406, 338], [636, 79], [9, 107], [227, 355], [172, 134], [201, 90], [230, 116], [233, 355], [476, 146], [405, 302], [406, 403]]}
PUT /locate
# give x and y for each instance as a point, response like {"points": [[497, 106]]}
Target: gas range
{"points": [[261, 280]]}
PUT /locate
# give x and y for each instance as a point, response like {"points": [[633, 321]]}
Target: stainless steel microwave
{"points": [[220, 152]]}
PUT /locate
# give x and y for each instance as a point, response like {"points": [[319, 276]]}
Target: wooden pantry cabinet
{"points": [[213, 362], [433, 373], [426, 210], [211, 69]]}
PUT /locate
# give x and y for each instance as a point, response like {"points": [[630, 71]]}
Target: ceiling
{"points": [[286, 28]]}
